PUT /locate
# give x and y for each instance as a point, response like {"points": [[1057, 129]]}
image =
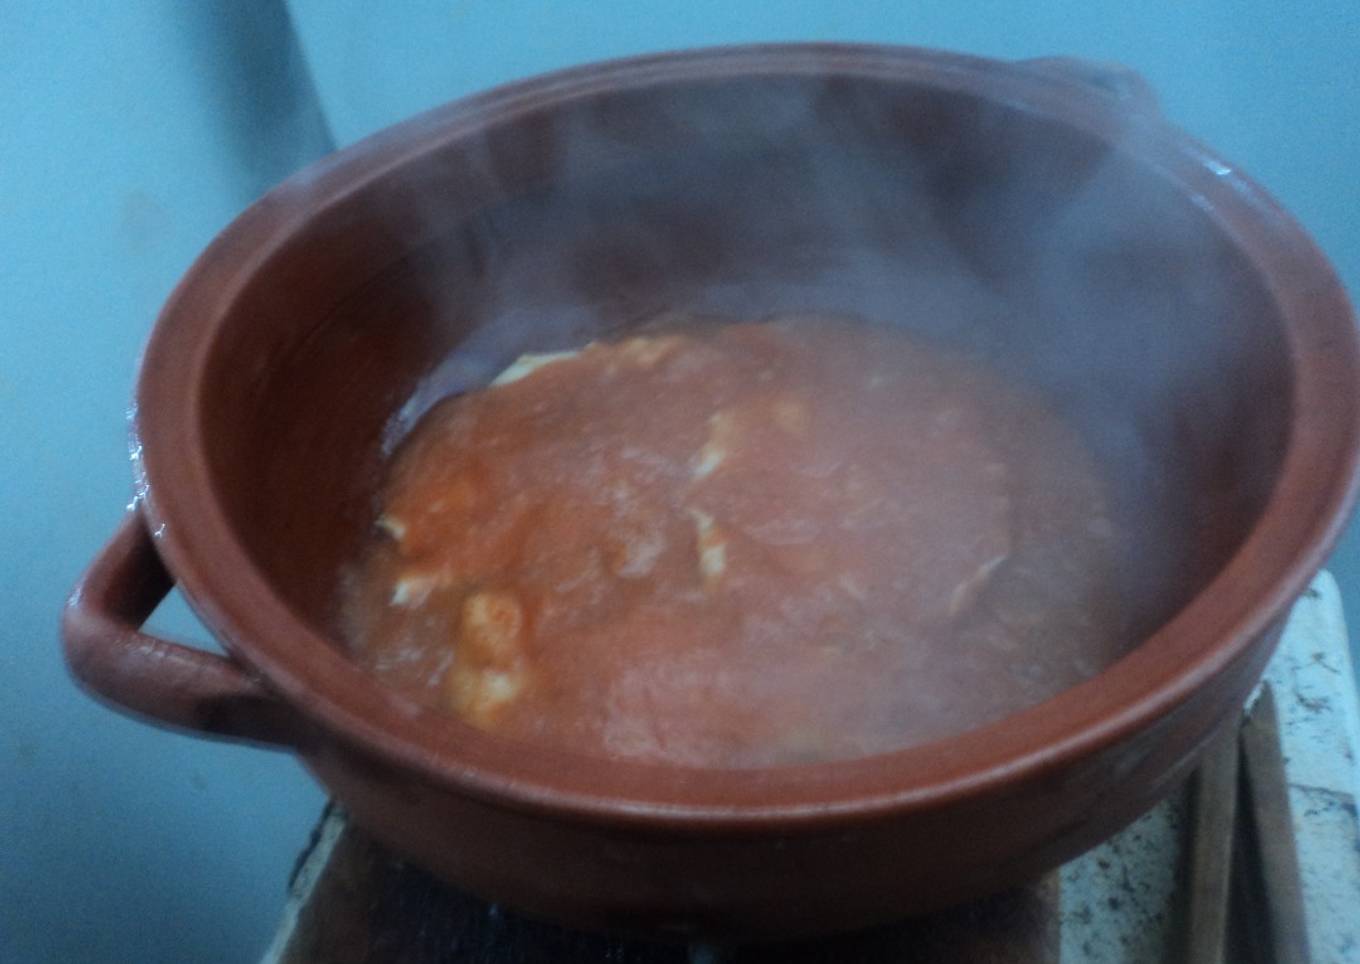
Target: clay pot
{"points": [[1041, 211]]}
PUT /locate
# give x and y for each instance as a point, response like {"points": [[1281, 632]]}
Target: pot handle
{"points": [[157, 680], [1122, 85]]}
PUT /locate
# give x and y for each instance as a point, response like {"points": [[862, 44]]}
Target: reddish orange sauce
{"points": [[745, 545]]}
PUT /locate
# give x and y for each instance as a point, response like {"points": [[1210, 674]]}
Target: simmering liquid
{"points": [[743, 545]]}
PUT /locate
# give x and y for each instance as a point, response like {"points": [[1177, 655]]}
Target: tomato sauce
{"points": [[742, 545]]}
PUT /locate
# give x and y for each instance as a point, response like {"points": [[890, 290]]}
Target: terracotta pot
{"points": [[1041, 211]]}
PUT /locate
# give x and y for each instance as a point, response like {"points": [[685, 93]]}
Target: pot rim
{"points": [[1303, 517]]}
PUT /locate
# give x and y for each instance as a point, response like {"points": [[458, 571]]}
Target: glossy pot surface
{"points": [[1042, 207]]}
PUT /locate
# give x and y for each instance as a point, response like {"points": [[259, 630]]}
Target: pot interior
{"points": [[1048, 248]]}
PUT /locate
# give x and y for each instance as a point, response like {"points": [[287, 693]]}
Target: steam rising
{"points": [[1042, 250]]}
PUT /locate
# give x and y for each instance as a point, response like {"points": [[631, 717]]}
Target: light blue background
{"points": [[130, 132]]}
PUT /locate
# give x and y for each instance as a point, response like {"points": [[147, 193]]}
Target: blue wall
{"points": [[130, 132]]}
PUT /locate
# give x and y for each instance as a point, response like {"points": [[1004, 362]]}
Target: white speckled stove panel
{"points": [[1117, 899]]}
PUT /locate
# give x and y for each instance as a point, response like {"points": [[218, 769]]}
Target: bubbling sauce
{"points": [[744, 545]]}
